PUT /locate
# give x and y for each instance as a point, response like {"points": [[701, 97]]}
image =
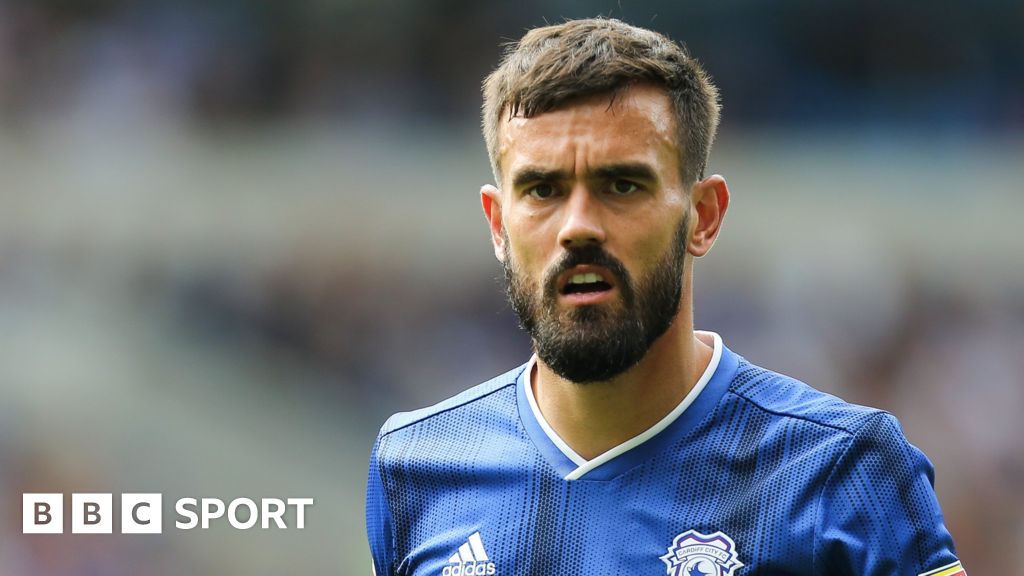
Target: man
{"points": [[629, 443]]}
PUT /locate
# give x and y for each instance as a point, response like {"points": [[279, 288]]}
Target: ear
{"points": [[490, 200], [710, 200]]}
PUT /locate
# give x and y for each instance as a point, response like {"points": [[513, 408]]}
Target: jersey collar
{"points": [[698, 403]]}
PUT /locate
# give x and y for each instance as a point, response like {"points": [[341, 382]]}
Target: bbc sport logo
{"points": [[93, 513]]}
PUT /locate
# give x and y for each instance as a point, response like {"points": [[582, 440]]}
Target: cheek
{"points": [[520, 257], [654, 243], [533, 220], [530, 241]]}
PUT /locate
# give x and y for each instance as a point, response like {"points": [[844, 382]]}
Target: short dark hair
{"points": [[553, 65]]}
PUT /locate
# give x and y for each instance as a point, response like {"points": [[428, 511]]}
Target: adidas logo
{"points": [[470, 560]]}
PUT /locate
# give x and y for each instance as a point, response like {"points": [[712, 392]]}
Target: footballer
{"points": [[631, 443]]}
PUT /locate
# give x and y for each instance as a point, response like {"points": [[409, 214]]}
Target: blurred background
{"points": [[236, 236]]}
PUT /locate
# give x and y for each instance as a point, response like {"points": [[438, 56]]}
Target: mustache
{"points": [[590, 254]]}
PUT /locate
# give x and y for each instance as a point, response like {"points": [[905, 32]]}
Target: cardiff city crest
{"points": [[695, 554]]}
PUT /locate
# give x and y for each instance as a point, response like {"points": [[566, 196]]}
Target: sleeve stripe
{"points": [[954, 569]]}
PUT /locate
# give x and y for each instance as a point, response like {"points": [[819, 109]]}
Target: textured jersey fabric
{"points": [[759, 474]]}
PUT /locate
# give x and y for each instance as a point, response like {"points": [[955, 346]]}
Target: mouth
{"points": [[586, 285]]}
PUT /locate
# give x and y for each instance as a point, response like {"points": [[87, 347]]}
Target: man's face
{"points": [[594, 225]]}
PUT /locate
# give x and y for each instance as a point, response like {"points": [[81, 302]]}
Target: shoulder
{"points": [[462, 432], [798, 403], [478, 400], [874, 504], [854, 445]]}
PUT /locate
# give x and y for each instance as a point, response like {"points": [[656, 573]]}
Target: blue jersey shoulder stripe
{"points": [[404, 419]]}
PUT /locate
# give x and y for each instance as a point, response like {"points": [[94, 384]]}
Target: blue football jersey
{"points": [[752, 473]]}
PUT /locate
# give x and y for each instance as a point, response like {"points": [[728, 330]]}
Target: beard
{"points": [[596, 343]]}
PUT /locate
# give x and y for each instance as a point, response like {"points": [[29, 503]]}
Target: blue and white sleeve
{"points": [[878, 513]]}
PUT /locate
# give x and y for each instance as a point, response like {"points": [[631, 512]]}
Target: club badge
{"points": [[694, 554]]}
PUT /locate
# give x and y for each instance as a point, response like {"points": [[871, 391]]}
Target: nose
{"points": [[582, 224]]}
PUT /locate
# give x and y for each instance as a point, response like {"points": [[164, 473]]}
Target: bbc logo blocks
{"points": [[143, 513], [42, 513], [91, 513]]}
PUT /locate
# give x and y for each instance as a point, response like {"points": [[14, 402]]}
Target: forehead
{"points": [[633, 125]]}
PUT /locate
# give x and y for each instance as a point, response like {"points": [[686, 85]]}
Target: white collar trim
{"points": [[582, 464]]}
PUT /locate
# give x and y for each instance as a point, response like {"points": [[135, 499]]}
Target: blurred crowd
{"points": [[950, 64], [269, 209]]}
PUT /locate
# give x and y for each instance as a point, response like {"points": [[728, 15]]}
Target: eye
{"points": [[541, 191], [624, 187]]}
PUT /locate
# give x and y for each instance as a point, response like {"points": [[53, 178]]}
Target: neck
{"points": [[595, 417]]}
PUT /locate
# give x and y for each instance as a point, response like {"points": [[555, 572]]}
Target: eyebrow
{"points": [[529, 174], [636, 171]]}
